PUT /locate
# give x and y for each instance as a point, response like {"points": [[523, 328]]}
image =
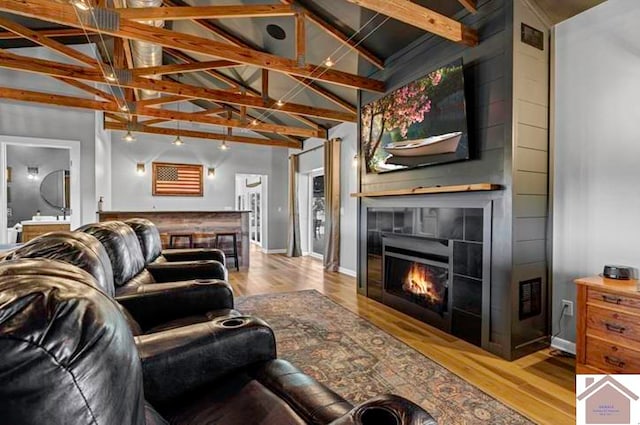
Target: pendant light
{"points": [[178, 141], [129, 137]]}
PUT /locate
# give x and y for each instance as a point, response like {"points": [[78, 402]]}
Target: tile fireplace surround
{"points": [[452, 261], [428, 262]]}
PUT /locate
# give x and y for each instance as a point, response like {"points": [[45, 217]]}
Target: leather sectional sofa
{"points": [[67, 356], [152, 306], [77, 349]]}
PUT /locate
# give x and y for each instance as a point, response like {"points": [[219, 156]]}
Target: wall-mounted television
{"points": [[422, 123]]}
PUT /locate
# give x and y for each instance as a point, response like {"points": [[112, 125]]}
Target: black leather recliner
{"points": [[131, 273], [159, 306], [61, 339], [151, 244]]}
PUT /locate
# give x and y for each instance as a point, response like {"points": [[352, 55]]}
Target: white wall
{"points": [[597, 147], [103, 164], [48, 122], [133, 193], [348, 132]]}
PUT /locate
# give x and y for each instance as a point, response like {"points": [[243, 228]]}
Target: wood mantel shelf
{"points": [[420, 190]]}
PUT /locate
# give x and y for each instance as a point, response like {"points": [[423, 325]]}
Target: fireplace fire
{"points": [[416, 277], [420, 281]]}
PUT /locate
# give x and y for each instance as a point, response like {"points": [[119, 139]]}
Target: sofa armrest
{"points": [[194, 254], [187, 270], [161, 302], [387, 410], [313, 401], [181, 360]]}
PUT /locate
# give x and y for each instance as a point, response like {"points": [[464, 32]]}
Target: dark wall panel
{"points": [[489, 91]]}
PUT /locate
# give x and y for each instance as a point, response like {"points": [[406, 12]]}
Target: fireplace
{"points": [[416, 276], [430, 263]]}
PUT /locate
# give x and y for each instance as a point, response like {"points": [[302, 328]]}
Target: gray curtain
{"points": [[332, 205], [293, 242]]}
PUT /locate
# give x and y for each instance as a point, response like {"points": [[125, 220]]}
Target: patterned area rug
{"points": [[359, 361]]}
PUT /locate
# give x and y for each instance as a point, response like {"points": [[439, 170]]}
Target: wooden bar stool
{"points": [[233, 253], [177, 236], [204, 240]]}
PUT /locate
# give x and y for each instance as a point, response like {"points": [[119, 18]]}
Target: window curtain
{"points": [[332, 205], [293, 242]]}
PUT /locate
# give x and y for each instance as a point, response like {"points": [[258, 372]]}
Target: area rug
{"points": [[359, 361]]}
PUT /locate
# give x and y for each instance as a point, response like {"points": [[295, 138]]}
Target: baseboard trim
{"points": [[274, 251], [348, 272], [564, 345]]}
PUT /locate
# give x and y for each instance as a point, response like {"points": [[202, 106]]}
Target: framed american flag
{"points": [[177, 179]]}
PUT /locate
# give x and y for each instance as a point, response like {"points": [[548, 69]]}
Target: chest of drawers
{"points": [[608, 327]]}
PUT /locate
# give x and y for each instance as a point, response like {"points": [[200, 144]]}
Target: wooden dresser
{"points": [[608, 330]]}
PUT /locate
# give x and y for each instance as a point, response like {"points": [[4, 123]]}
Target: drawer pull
{"points": [[615, 328], [611, 299], [614, 361]]}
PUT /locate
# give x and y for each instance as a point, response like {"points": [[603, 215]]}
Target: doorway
{"points": [[316, 214], [251, 195], [40, 182]]}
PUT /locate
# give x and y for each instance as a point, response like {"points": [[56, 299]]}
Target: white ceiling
{"points": [[560, 10]]}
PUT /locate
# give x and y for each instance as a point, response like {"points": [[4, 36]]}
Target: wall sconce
{"points": [[355, 161], [211, 173], [140, 168], [32, 173]]}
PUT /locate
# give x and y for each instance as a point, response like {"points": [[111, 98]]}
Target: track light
{"points": [[111, 77], [178, 141], [329, 63], [124, 107], [280, 103], [254, 122], [129, 137], [223, 146]]}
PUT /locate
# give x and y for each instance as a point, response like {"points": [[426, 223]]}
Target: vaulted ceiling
{"points": [[270, 72]]}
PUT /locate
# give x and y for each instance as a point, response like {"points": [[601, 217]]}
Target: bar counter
{"points": [[190, 222]]}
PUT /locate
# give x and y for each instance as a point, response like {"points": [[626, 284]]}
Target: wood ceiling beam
{"points": [[83, 103], [470, 5], [141, 128], [213, 73], [153, 121], [51, 68], [327, 94], [162, 100], [338, 35], [421, 17], [181, 68], [66, 15], [236, 41], [89, 89], [44, 41], [55, 33], [116, 117], [206, 12]]}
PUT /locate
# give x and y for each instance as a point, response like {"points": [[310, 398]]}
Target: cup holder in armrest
{"points": [[204, 281], [378, 416], [232, 322]]}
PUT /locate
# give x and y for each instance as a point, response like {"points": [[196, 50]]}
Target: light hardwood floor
{"points": [[540, 386]]}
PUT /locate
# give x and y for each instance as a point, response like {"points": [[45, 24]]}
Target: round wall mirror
{"points": [[55, 189]]}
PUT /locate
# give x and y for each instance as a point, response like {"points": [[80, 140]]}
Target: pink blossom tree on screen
{"points": [[398, 110]]}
